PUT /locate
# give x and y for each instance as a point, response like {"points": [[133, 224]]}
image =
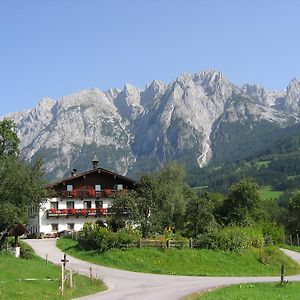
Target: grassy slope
{"points": [[255, 291], [185, 262], [13, 269], [267, 192]]}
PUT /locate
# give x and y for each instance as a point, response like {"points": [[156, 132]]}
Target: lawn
{"points": [[14, 270], [267, 192], [253, 291], [200, 262]]}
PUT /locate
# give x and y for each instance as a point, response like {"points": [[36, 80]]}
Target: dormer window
{"points": [[97, 187], [69, 187], [119, 187]]}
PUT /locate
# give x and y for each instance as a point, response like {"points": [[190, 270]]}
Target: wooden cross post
{"points": [[63, 266], [64, 261]]}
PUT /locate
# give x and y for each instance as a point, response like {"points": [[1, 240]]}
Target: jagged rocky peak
{"points": [[128, 102], [131, 90], [292, 98], [111, 94], [255, 92], [87, 97], [293, 86], [152, 92], [215, 84]]}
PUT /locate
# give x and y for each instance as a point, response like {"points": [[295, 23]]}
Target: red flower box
{"points": [[92, 193], [72, 211], [107, 192], [73, 194], [83, 212], [53, 211], [102, 210], [64, 211]]}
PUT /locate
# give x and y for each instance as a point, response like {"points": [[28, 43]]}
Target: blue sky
{"points": [[57, 47]]}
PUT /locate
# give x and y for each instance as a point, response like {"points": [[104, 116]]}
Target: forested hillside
{"points": [[276, 163]]}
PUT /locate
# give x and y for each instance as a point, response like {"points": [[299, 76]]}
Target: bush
{"points": [[26, 251], [232, 238], [273, 233], [95, 237]]}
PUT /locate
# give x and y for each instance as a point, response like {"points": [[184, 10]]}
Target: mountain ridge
{"points": [[133, 130]]}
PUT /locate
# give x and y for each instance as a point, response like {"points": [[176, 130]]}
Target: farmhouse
{"points": [[80, 198]]}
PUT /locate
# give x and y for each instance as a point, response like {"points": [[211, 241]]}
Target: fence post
{"points": [[62, 278], [168, 243], [191, 243], [140, 243], [91, 275], [71, 278], [282, 274]]}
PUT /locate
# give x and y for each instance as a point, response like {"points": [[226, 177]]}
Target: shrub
{"points": [[232, 238], [95, 237], [273, 233], [26, 251]]}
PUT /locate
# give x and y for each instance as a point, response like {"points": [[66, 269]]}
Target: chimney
{"points": [[95, 162], [74, 172]]}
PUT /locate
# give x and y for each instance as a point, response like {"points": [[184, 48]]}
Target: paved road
{"points": [[125, 285]]}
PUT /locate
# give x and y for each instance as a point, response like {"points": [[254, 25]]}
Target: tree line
{"points": [[21, 183]]}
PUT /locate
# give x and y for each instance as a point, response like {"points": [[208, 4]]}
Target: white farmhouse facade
{"points": [[81, 198]]}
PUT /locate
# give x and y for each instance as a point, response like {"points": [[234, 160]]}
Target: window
{"points": [[69, 187], [99, 204], [70, 204], [70, 226], [97, 187], [87, 204], [54, 205], [119, 187], [54, 227]]}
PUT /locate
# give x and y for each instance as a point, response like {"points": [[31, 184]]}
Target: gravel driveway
{"points": [[125, 285]]}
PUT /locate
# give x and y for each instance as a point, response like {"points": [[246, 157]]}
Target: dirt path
{"points": [[125, 285]]}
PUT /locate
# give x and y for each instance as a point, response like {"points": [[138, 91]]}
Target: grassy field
{"points": [[256, 291], [12, 287], [267, 192], [186, 262]]}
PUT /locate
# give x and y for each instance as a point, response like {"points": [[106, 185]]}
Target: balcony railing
{"points": [[73, 212], [90, 193]]}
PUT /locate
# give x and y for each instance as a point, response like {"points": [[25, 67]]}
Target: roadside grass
{"points": [[12, 287], [267, 192], [253, 291], [197, 262], [293, 248]]}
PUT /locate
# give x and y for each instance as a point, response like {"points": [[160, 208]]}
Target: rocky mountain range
{"points": [[196, 119]]}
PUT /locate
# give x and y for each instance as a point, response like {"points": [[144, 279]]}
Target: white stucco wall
{"points": [[41, 224]]}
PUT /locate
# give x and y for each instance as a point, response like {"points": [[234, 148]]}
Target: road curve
{"points": [[125, 285]]}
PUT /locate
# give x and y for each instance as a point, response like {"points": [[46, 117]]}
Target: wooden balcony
{"points": [[72, 212], [90, 193]]}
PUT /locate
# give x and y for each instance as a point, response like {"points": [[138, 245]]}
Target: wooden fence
{"points": [[162, 244]]}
